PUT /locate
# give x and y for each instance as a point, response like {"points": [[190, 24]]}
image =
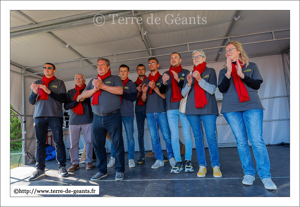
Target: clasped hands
{"points": [[166, 77], [238, 68], [35, 88]]}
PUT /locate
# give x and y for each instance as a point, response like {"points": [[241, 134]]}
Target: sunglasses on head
{"points": [[49, 68]]}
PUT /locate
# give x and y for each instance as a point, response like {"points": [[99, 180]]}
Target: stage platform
{"points": [[142, 181]]}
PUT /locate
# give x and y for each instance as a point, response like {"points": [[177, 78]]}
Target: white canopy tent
{"points": [[73, 40]]}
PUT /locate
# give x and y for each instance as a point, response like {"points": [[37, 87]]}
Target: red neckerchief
{"points": [[96, 95], [139, 82], [239, 84], [42, 94], [176, 94], [124, 83], [200, 98], [78, 109], [153, 78]]}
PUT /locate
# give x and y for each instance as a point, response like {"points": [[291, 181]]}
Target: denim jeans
{"points": [[41, 130], [113, 125], [128, 125], [140, 122], [153, 120], [173, 119], [209, 123], [249, 125]]}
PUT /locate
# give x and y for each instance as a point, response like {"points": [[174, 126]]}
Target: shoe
{"points": [[166, 159], [119, 176], [89, 166], [172, 162], [202, 172], [157, 164], [178, 168], [217, 172], [98, 176], [131, 163], [248, 180], [63, 172], [73, 167], [151, 154], [188, 166], [111, 162], [37, 174], [182, 149], [269, 184], [141, 160]]}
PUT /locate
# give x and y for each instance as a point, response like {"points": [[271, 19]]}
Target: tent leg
{"points": [[23, 119]]}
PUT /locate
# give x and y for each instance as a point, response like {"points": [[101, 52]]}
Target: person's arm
{"points": [[117, 90], [252, 83], [88, 93], [32, 98], [185, 90], [209, 88], [224, 85], [180, 84], [129, 96], [158, 93], [162, 88], [70, 105], [61, 97]]}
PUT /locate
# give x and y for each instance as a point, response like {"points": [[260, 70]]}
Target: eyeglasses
{"points": [[49, 68], [197, 57], [229, 50], [79, 78], [153, 63]]}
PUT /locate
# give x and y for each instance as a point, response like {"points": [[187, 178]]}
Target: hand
{"points": [[229, 67], [152, 84], [139, 88], [144, 88], [197, 75], [34, 88], [165, 78], [176, 76], [45, 89], [98, 83], [189, 79], [78, 98], [239, 69]]}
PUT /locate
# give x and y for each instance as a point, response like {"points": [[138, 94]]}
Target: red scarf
{"points": [[42, 94], [139, 82], [124, 83], [78, 109], [96, 95], [239, 84], [200, 98], [176, 94], [153, 78]]}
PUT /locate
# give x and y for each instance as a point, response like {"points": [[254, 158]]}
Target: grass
{"points": [[14, 159]]}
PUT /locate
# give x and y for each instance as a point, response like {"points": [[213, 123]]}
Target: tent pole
{"points": [[23, 118]]}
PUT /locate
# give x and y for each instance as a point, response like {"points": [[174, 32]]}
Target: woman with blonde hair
{"points": [[239, 81]]}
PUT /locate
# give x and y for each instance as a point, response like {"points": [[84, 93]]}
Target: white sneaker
{"points": [[131, 163], [157, 164], [111, 162], [269, 184], [248, 180], [172, 162]]}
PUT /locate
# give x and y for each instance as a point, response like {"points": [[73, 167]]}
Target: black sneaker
{"points": [[98, 176], [141, 160], [178, 168], [63, 172], [166, 159], [188, 166], [37, 174]]}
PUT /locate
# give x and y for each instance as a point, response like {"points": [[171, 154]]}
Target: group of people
{"points": [[107, 101]]}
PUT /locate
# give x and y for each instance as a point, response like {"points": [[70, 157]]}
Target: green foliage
{"points": [[15, 131]]}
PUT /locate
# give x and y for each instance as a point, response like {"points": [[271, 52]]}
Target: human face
{"points": [[141, 71], [231, 52], [79, 81], [48, 70], [175, 60], [153, 65], [102, 68], [123, 71], [198, 58]]}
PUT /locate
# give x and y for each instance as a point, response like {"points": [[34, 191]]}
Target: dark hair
{"points": [[106, 61], [124, 66], [51, 64], [177, 54], [140, 65], [153, 58]]}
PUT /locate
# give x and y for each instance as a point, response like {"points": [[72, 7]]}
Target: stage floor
{"points": [[142, 181]]}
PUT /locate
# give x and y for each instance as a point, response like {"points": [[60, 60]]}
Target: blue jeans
{"points": [[140, 122], [249, 125], [41, 130], [128, 125], [209, 123], [153, 120], [173, 119], [113, 125]]}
